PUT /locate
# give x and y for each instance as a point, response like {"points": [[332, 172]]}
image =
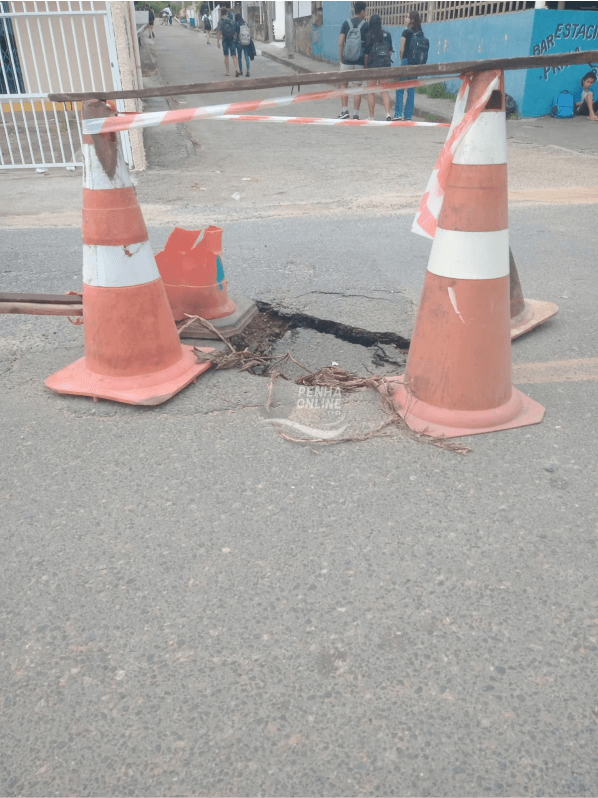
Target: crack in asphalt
{"points": [[344, 332]]}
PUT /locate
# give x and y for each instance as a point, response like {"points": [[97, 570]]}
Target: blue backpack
{"points": [[563, 106]]}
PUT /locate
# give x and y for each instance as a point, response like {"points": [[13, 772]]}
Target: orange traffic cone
{"points": [[458, 375], [526, 314], [193, 274], [132, 350]]}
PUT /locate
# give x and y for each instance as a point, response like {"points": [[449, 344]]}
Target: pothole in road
{"points": [[316, 343]]}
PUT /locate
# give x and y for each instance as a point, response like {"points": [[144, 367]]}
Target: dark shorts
{"points": [[229, 47]]}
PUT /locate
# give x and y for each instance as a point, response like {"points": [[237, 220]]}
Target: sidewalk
{"points": [[427, 108]]}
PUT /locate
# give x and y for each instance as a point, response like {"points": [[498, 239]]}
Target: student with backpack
{"points": [[243, 42], [378, 52], [150, 24], [226, 31], [207, 25], [350, 54], [414, 50]]}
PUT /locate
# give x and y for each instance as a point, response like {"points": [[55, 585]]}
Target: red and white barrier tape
{"points": [[307, 120], [130, 121], [426, 219]]}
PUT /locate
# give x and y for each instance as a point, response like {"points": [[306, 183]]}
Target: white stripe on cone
{"points": [[470, 256], [485, 142], [117, 267], [95, 177]]}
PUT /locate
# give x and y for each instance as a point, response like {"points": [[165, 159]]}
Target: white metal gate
{"points": [[50, 47]]}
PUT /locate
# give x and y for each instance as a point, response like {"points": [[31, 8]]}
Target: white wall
{"points": [[279, 21]]}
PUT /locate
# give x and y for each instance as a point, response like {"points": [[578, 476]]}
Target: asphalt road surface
{"points": [[191, 605]]}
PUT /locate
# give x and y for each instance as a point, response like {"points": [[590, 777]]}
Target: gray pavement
{"points": [[191, 605]]}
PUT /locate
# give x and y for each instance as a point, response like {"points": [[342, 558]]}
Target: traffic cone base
{"points": [[526, 314], [146, 368], [535, 312], [140, 389], [245, 311], [518, 411]]}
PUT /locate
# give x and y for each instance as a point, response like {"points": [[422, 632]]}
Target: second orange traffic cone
{"points": [[458, 375]]}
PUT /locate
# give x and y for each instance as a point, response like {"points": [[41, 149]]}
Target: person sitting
{"points": [[585, 104]]}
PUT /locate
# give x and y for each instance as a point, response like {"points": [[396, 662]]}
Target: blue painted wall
{"points": [[496, 36], [325, 37], [558, 32]]}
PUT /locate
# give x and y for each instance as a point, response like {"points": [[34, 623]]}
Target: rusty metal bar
{"points": [[41, 304], [386, 73]]}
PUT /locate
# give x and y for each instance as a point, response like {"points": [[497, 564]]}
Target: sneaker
{"points": [[355, 116], [399, 118], [343, 115], [247, 74], [238, 74], [389, 118]]}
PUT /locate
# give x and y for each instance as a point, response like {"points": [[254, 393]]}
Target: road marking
{"points": [[580, 370]]}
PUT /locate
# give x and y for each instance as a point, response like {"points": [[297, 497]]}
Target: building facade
{"points": [[464, 31]]}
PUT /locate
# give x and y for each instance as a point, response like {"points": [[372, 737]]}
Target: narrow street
{"points": [[193, 605]]}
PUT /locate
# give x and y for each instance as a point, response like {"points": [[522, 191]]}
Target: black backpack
{"points": [[379, 55], [418, 49], [228, 29]]}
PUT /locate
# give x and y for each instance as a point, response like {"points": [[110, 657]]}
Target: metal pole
{"points": [[289, 29]]}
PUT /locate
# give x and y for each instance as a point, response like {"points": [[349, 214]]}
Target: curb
{"points": [[286, 62]]}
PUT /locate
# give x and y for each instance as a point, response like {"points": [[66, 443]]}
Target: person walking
{"points": [[243, 42], [150, 24], [377, 53], [168, 13], [207, 25], [350, 54], [226, 32], [414, 26]]}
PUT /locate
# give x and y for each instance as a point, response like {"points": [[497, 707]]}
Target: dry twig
{"points": [[207, 325], [328, 377]]}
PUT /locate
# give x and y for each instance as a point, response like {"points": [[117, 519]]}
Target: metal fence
{"points": [[51, 47], [395, 13]]}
